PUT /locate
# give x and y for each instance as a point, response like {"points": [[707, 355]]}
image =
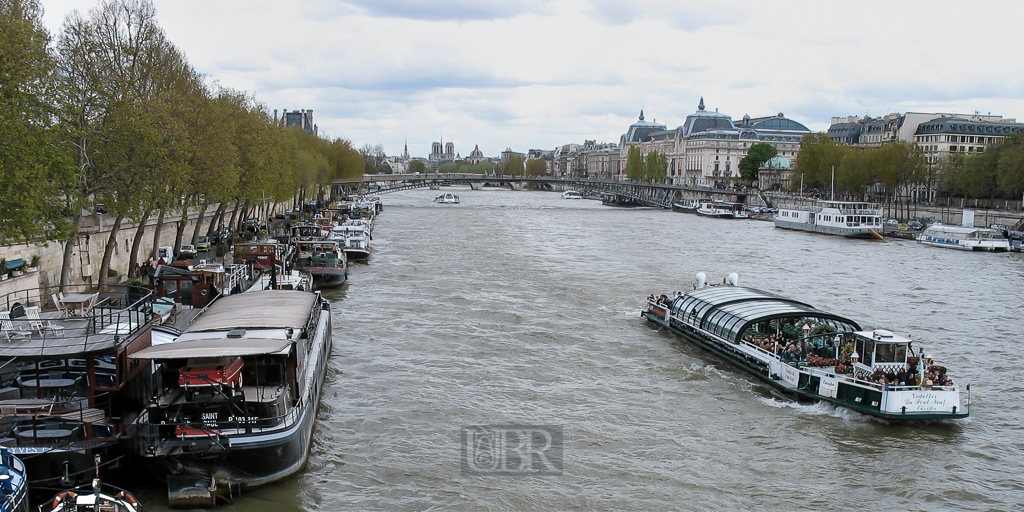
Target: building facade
{"points": [[707, 148]]}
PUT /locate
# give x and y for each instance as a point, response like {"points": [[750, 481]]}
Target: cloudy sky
{"points": [[537, 73]]}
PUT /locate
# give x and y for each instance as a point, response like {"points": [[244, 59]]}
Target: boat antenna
{"points": [[833, 183]]}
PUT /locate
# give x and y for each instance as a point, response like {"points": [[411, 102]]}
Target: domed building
{"points": [[476, 156], [775, 173], [707, 148]]}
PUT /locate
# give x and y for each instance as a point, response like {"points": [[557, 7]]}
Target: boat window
{"points": [[891, 353]]}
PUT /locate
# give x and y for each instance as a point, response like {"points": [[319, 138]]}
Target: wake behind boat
{"points": [[809, 353], [237, 395]]}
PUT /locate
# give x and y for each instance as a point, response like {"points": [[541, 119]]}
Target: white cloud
{"points": [[535, 74]]}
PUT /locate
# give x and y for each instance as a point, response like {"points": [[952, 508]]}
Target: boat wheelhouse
{"points": [[354, 240], [324, 259], [965, 238], [261, 254], [237, 395], [852, 219], [811, 354], [722, 210]]}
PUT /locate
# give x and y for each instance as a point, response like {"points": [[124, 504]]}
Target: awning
{"points": [[223, 347], [13, 264]]}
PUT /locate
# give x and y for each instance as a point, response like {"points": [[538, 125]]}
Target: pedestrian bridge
{"points": [[626, 193]]}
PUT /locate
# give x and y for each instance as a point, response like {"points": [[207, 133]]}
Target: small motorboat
{"points": [[572, 194], [13, 485], [98, 497]]}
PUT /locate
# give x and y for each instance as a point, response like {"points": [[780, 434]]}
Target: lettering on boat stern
{"points": [[528, 450]]}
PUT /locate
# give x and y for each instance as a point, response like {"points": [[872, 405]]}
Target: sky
{"points": [[536, 74]]}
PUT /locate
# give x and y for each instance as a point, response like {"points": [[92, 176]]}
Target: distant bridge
{"points": [[613, 191]]}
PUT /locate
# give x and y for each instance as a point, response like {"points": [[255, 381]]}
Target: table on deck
{"points": [[78, 304], [47, 387], [45, 435]]}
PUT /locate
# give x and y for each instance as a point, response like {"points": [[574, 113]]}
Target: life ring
{"points": [[127, 497], [61, 497], [204, 292]]}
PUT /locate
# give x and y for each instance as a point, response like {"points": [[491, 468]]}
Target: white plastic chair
{"points": [[39, 325], [59, 305], [7, 326]]}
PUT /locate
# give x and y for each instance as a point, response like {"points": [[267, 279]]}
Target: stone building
{"points": [[707, 148], [301, 118]]}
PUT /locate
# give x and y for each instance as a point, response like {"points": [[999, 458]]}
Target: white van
{"points": [[166, 252]]}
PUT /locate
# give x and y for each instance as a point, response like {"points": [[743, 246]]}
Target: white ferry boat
{"points": [[811, 354], [843, 218], [688, 205], [572, 194], [722, 210], [965, 239], [447, 198]]}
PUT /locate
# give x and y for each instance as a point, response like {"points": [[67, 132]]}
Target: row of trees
{"points": [[113, 113], [889, 173], [652, 167]]}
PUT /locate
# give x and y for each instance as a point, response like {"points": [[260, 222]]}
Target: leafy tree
{"points": [[817, 157], [447, 167], [536, 167], [655, 166], [635, 165], [515, 166], [34, 169], [416, 166], [756, 156]]}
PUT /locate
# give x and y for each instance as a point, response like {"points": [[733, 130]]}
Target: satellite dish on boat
{"points": [[733, 279], [702, 280]]}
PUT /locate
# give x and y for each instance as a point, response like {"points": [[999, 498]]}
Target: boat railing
{"points": [[760, 350], [148, 436]]}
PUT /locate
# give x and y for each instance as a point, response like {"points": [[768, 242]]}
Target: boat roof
{"points": [[729, 310], [961, 230], [267, 309], [220, 347]]}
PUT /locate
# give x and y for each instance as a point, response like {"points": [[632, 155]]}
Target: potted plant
{"points": [[33, 261], [3, 268]]}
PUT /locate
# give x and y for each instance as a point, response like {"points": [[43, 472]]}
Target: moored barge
{"points": [[811, 354], [238, 395]]}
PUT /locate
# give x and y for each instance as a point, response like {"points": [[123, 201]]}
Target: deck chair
{"points": [[59, 305], [7, 326], [39, 325]]}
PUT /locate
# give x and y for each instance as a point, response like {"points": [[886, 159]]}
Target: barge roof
{"points": [[268, 309], [214, 348]]}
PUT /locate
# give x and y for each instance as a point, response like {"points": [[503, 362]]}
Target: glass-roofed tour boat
{"points": [[809, 353]]}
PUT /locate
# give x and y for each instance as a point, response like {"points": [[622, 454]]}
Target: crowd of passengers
{"points": [[789, 348], [935, 376]]}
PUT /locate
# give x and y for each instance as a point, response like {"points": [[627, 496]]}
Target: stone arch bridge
{"points": [[624, 193]]}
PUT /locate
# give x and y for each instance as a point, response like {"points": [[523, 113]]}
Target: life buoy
{"points": [[127, 497], [204, 293], [61, 497]]}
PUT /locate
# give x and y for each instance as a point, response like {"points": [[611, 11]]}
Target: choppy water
{"points": [[523, 308]]}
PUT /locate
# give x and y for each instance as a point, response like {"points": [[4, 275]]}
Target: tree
{"points": [[817, 157], [536, 167], [755, 158], [416, 166], [635, 165], [655, 166], [34, 168], [515, 165]]}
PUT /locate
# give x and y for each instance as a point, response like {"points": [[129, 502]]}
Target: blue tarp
{"points": [[14, 264]]}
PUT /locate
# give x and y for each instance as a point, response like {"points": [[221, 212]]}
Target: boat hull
{"points": [[357, 254], [324, 277], [849, 232]]}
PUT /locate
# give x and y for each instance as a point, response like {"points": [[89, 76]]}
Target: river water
{"points": [[521, 308]]}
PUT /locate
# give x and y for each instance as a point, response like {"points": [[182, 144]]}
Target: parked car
{"points": [[202, 244], [99, 208], [915, 225], [165, 253], [187, 252]]}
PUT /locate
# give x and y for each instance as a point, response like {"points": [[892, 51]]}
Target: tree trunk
{"points": [[234, 216], [217, 220], [69, 248], [156, 235], [133, 258], [108, 250], [199, 222]]}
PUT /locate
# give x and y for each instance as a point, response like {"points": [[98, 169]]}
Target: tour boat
{"points": [[13, 484], [67, 389], [324, 259], [571, 194], [965, 238], [447, 198], [809, 353], [722, 210], [852, 219], [237, 395]]}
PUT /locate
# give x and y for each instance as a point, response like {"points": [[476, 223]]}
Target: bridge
{"points": [[625, 193]]}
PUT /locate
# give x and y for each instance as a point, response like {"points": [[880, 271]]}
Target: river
{"points": [[521, 308]]}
